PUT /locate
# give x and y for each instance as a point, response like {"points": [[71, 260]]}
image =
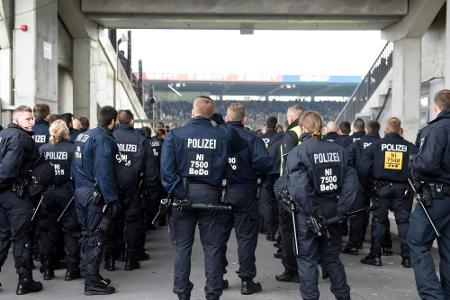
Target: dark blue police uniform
{"points": [[41, 135], [331, 137], [194, 159], [359, 223], [246, 166], [95, 158], [321, 183], [54, 200], [344, 141], [268, 204], [17, 154], [388, 162], [133, 150], [431, 166]]}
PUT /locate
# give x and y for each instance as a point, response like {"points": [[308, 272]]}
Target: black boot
{"points": [[72, 274], [372, 259], [121, 255], [225, 284], [349, 249], [131, 263], [27, 284], [387, 251], [406, 262], [142, 255], [287, 277], [249, 287], [98, 288], [110, 263], [48, 269]]}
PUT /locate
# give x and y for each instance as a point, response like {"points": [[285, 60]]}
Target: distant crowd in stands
{"points": [[179, 112]]}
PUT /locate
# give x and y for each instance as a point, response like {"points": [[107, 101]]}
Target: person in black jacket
{"points": [[41, 113], [323, 186], [388, 163], [17, 154]]}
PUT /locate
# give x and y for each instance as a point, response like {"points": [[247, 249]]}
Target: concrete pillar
{"points": [[35, 54], [84, 83], [447, 50], [406, 84]]}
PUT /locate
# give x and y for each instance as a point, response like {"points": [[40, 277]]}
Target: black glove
{"points": [[112, 209]]}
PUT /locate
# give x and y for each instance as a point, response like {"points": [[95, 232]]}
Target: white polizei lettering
{"points": [[40, 139], [326, 157], [201, 143], [394, 147], [127, 147], [365, 145], [82, 138], [55, 155]]}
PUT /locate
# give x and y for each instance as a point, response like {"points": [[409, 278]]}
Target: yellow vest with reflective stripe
{"points": [[298, 131]]}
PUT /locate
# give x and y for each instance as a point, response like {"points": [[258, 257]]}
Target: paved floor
{"points": [[154, 279]]}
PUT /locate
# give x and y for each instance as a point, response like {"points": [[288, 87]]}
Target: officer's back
{"points": [[60, 156], [40, 129], [358, 130], [344, 138], [332, 132]]}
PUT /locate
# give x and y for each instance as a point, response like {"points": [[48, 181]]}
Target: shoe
{"points": [[142, 255], [406, 262], [348, 249], [131, 264], [372, 259], [249, 287], [47, 270], [72, 275], [98, 288], [225, 284], [325, 275], [27, 285], [277, 255], [277, 244], [188, 296], [110, 263], [387, 251], [105, 281], [287, 277], [270, 238]]}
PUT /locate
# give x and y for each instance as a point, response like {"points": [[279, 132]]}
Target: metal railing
{"points": [[368, 85]]}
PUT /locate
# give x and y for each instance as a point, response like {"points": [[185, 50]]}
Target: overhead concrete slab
{"points": [[251, 14]]}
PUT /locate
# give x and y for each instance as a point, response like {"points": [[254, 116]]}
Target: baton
{"points": [[65, 209], [37, 208], [425, 210], [294, 225]]}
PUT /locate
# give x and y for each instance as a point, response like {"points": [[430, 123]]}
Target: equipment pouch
{"points": [[437, 191]]}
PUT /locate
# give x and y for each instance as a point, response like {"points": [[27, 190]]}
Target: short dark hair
{"points": [[105, 115], [345, 127], [53, 117], [67, 117], [22, 108], [359, 124], [41, 111], [84, 122], [373, 126], [271, 122], [442, 99], [125, 116]]}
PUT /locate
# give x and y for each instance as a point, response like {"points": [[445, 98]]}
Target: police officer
{"points": [[324, 186], [268, 204], [332, 132], [290, 140], [96, 194], [58, 205], [344, 138], [388, 162], [17, 154], [68, 118], [193, 163], [358, 130], [130, 174], [249, 164], [430, 166], [40, 129], [358, 223]]}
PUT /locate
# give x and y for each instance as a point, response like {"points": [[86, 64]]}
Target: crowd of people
{"points": [[179, 112], [80, 196]]}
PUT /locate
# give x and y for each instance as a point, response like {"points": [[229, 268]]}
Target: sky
{"points": [[264, 52]]}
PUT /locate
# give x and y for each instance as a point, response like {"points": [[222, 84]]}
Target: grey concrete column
{"points": [[36, 53], [406, 84], [447, 50], [84, 83]]}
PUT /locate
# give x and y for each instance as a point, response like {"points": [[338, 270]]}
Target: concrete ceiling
{"points": [[246, 15]]}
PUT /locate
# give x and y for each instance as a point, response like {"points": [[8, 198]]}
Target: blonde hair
{"points": [[236, 112], [312, 122], [394, 125], [203, 106], [58, 131]]}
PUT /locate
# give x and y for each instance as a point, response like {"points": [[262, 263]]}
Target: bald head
{"points": [[332, 127], [203, 106]]}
